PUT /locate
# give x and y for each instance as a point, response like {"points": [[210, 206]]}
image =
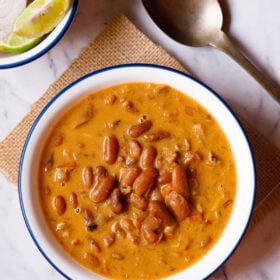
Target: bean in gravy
{"points": [[134, 175]]}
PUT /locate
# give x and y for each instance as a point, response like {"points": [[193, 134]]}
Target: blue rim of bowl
{"points": [[50, 45], [211, 91]]}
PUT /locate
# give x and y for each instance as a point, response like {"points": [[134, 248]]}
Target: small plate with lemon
{"points": [[28, 29]]}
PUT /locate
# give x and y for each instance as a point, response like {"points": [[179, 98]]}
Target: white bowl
{"points": [[9, 60], [28, 169]]}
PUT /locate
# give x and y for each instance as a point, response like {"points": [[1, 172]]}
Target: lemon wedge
{"points": [[40, 17], [17, 44]]}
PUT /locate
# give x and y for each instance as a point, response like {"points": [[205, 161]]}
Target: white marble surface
{"points": [[253, 23]]}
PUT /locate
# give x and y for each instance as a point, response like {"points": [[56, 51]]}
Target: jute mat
{"points": [[121, 42]]}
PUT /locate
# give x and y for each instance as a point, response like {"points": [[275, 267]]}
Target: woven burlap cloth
{"points": [[121, 42]]}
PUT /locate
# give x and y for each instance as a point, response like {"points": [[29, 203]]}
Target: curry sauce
{"points": [[137, 181]]}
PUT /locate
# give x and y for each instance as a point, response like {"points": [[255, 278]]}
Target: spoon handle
{"points": [[224, 44]]}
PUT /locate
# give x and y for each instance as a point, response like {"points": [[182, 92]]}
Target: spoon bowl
{"points": [[199, 23], [196, 27]]}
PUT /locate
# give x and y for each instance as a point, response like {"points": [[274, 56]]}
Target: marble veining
{"points": [[254, 25]]}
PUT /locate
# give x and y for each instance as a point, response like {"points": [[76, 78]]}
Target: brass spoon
{"points": [[198, 23]]}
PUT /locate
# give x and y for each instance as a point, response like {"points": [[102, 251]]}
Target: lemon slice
{"points": [[17, 44], [40, 17]]}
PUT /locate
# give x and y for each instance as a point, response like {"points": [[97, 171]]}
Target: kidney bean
{"points": [[88, 215], [126, 224], [138, 202], [169, 231], [166, 189], [87, 176], [94, 246], [156, 136], [100, 171], [128, 175], [59, 204], [73, 198], [165, 177], [180, 181], [145, 181], [128, 106], [156, 195], [150, 227], [92, 259], [135, 149], [138, 129], [110, 149], [148, 157], [160, 211], [116, 201], [102, 189], [89, 220], [130, 161], [178, 205]]}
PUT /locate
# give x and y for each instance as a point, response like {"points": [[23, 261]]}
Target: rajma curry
{"points": [[137, 181]]}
